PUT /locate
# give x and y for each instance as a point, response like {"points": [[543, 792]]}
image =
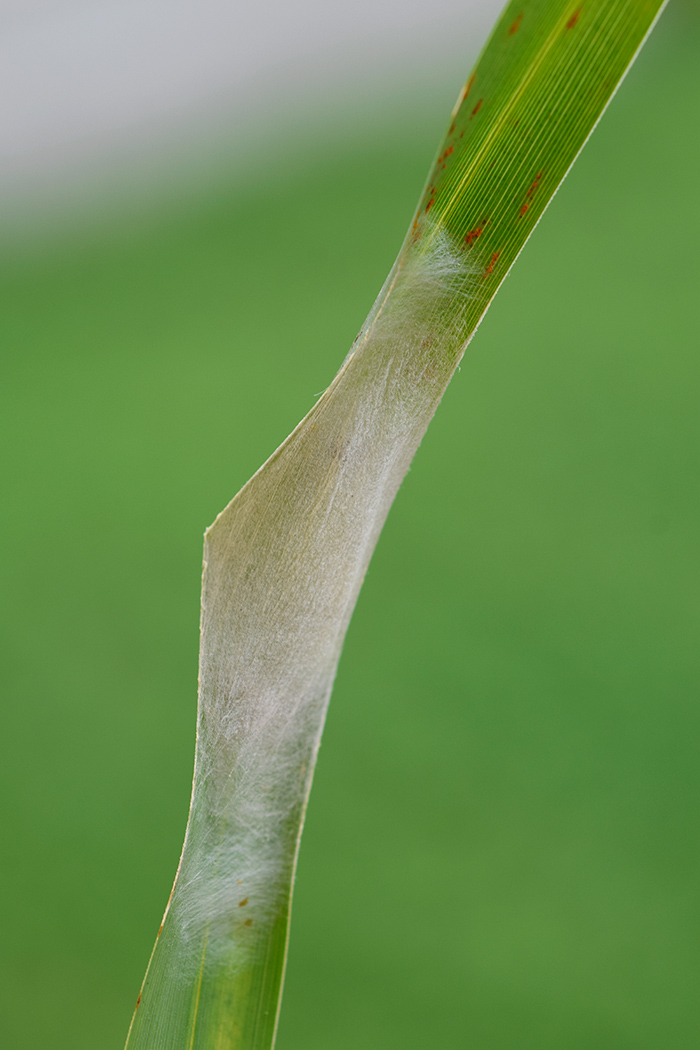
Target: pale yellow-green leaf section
{"points": [[284, 562]]}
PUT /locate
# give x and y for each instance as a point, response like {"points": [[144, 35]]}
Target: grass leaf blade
{"points": [[284, 562]]}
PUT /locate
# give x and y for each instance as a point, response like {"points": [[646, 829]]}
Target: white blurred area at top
{"points": [[104, 97]]}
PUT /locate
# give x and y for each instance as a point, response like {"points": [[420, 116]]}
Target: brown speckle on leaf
{"points": [[574, 18], [242, 904], [516, 25], [473, 235], [535, 184], [492, 263], [530, 193], [463, 94], [248, 922], [476, 109]]}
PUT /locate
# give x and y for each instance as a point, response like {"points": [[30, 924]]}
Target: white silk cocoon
{"points": [[283, 565]]}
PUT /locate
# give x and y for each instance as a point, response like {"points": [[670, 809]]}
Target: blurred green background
{"points": [[502, 845]]}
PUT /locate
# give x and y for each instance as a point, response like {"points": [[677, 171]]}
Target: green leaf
{"points": [[285, 560]]}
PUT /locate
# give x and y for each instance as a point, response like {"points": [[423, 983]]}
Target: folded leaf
{"points": [[284, 562]]}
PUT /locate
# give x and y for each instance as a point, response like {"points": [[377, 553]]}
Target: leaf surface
{"points": [[285, 560]]}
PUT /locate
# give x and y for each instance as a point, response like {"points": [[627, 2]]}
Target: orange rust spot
{"points": [[494, 260], [452, 127], [137, 1002], [472, 235], [530, 193], [248, 922], [242, 904], [535, 184], [430, 204], [574, 18], [516, 25], [449, 150], [476, 109], [463, 94]]}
